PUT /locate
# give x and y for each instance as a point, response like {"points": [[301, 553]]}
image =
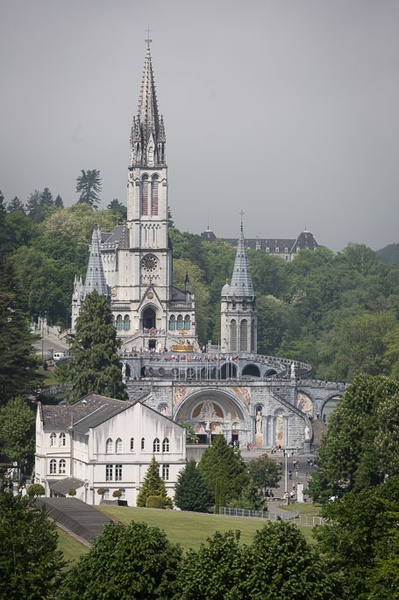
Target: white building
{"points": [[101, 442]]}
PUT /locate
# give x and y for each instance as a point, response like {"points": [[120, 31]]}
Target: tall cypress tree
{"points": [[96, 366], [191, 491]]}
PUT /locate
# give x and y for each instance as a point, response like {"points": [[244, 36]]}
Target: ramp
{"points": [[75, 516]]}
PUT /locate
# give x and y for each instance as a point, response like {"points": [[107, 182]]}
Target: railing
{"points": [[273, 515]]}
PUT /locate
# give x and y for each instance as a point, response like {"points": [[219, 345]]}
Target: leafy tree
{"points": [[22, 230], [216, 571], [284, 565], [30, 563], [96, 365], [223, 470], [347, 456], [153, 485], [125, 562], [118, 209], [191, 492], [360, 539], [17, 432], [191, 436], [89, 185], [264, 472]]}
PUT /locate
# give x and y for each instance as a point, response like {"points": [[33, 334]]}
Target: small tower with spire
{"points": [[95, 279], [238, 305]]}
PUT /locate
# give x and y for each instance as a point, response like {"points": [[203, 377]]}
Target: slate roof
{"points": [[89, 411], [241, 281], [62, 486]]}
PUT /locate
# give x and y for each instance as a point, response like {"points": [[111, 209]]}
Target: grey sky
{"points": [[285, 109]]}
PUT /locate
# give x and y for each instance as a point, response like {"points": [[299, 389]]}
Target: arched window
{"points": [[233, 335], [118, 446], [53, 437], [62, 467], [187, 322], [131, 444], [244, 335], [53, 466], [109, 446], [119, 323], [179, 322], [165, 445], [172, 322], [142, 443], [165, 472], [156, 445], [126, 323], [144, 195], [154, 196], [62, 440]]}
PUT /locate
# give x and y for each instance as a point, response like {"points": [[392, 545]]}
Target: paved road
{"points": [[47, 342], [300, 474]]}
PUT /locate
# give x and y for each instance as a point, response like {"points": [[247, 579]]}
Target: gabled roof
{"points": [[89, 411]]}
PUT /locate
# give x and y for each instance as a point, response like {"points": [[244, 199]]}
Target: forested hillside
{"points": [[339, 312]]}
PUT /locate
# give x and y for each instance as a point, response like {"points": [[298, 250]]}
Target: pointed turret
{"points": [[95, 278], [238, 306], [241, 282], [148, 130]]}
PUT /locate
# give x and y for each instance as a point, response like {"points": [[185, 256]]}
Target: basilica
{"points": [[225, 389]]}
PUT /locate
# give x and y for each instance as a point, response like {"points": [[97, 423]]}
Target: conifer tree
{"points": [[191, 491], [153, 485], [96, 366], [223, 470]]}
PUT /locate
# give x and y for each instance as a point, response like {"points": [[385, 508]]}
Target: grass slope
{"points": [[189, 529]]}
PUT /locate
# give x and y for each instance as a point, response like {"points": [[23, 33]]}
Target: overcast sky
{"points": [[285, 109]]}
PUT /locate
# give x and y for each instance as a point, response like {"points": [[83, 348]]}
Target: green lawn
{"points": [[190, 529], [185, 528], [70, 546]]}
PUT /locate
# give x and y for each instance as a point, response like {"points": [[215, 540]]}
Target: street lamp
{"points": [[287, 500]]}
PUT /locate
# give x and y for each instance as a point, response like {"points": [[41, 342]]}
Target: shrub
{"points": [[101, 491], [36, 489], [72, 492], [117, 493], [155, 502]]}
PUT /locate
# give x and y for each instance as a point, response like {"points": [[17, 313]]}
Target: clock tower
{"points": [[149, 312]]}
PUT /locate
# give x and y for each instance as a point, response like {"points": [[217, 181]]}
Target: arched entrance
{"points": [[215, 412], [149, 318]]}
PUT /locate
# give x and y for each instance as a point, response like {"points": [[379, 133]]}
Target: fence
{"points": [[273, 515]]}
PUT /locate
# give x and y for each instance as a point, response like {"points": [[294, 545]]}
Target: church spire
{"points": [[95, 278], [241, 282], [148, 131]]}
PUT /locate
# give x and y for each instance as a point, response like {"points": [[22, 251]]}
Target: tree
{"points": [[284, 565], [223, 470], [89, 186], [153, 485], [191, 436], [216, 571], [46, 198], [96, 365], [125, 562], [118, 209], [347, 456], [264, 472], [360, 538], [15, 205], [58, 202], [191, 492], [17, 432], [30, 563]]}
